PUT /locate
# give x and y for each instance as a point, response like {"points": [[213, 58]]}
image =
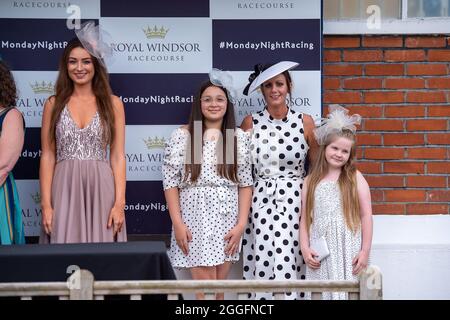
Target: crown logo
{"points": [[155, 32], [155, 143], [42, 87], [36, 197]]}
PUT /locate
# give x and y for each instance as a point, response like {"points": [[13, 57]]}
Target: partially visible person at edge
{"points": [[282, 140], [12, 131], [208, 202], [83, 193]]}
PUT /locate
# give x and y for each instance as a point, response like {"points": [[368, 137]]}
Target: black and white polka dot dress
{"points": [[209, 207], [271, 247]]}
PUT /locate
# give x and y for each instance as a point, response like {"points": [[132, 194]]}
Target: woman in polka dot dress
{"points": [[280, 142], [208, 220]]}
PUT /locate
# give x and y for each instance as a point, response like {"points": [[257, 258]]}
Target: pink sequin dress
{"points": [[83, 190]]}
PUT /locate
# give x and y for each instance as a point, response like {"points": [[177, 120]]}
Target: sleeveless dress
{"points": [[83, 191], [271, 249], [11, 225], [343, 244], [209, 207]]}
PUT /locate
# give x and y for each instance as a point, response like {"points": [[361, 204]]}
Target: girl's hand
{"points": [[360, 262], [182, 236], [47, 218], [116, 219], [234, 238], [309, 257]]}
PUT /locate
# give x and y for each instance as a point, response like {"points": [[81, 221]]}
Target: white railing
{"points": [[81, 286]]}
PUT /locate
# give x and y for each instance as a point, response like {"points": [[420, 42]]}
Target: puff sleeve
{"points": [[174, 155]]}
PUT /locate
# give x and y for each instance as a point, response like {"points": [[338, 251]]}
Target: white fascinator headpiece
{"points": [[335, 122], [223, 79], [95, 40]]}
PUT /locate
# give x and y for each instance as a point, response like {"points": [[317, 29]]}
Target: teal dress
{"points": [[11, 226]]}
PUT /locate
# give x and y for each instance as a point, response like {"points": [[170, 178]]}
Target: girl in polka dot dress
{"points": [[208, 200], [281, 140], [337, 206]]}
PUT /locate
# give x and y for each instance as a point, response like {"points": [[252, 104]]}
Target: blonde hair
{"points": [[347, 183]]}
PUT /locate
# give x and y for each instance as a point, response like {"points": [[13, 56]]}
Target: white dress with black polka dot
{"points": [[343, 244], [271, 242], [209, 208]]}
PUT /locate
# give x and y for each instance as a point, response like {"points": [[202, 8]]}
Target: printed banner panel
{"points": [[163, 52], [33, 44], [156, 98], [27, 167], [59, 9], [146, 208], [144, 148], [34, 87], [30, 202], [159, 45], [240, 44], [265, 9], [145, 8]]}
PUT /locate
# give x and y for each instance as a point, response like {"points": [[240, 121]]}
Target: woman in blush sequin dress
{"points": [[83, 194]]}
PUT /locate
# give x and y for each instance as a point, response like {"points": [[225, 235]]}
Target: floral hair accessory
{"points": [[223, 79], [95, 40], [336, 121]]}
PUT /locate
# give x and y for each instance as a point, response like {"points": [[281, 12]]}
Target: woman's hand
{"points": [[116, 219], [234, 238], [47, 218], [183, 236], [309, 257], [360, 262]]}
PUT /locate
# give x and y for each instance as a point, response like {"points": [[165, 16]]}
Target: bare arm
{"points": [[182, 233], [304, 232], [11, 142], [247, 123], [47, 166], [361, 260], [365, 203], [235, 234], [117, 159], [308, 124], [307, 253]]}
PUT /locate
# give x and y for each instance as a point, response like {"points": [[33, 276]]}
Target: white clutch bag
{"points": [[320, 246]]}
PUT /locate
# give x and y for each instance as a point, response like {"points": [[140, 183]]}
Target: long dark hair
{"points": [[8, 92], [224, 169], [100, 87]]}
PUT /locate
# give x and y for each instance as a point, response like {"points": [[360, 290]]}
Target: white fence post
{"points": [[370, 284], [85, 291]]}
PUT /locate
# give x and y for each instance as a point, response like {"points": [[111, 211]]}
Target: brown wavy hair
{"points": [[100, 87], [226, 170], [346, 181], [8, 92]]}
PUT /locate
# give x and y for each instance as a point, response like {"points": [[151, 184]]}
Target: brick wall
{"points": [[400, 85]]}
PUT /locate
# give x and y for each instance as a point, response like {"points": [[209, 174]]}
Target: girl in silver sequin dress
{"points": [[336, 206], [83, 192]]}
